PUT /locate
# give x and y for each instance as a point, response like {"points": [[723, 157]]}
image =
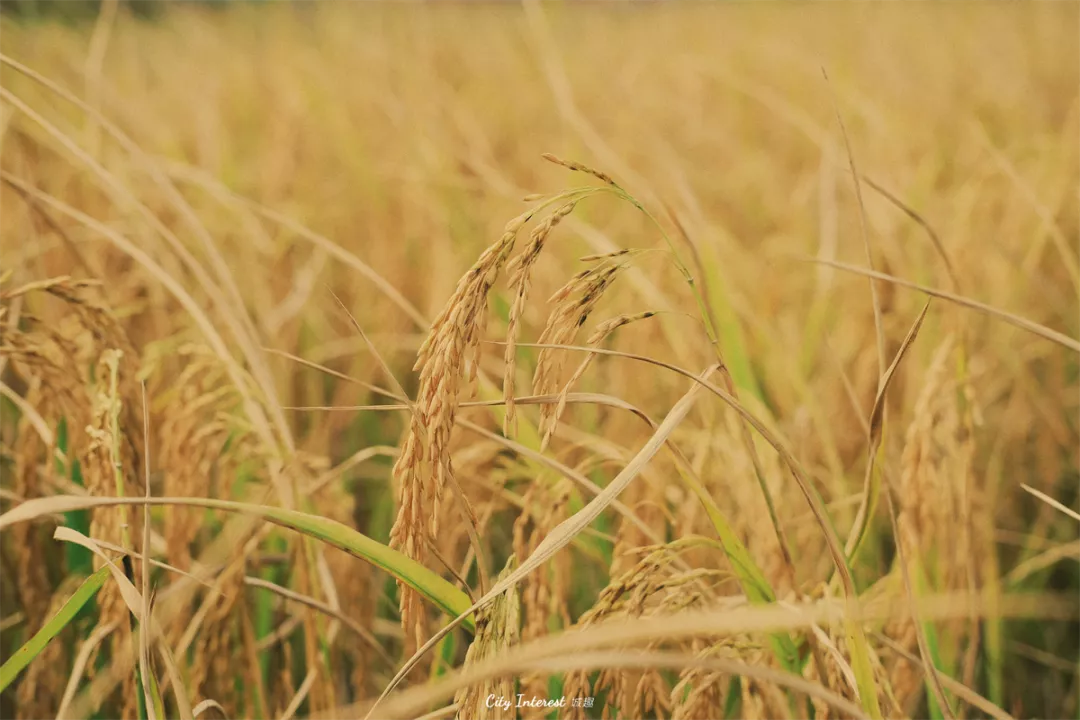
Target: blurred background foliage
{"points": [[78, 11]]}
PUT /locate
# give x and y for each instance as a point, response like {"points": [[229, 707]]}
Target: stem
{"points": [[118, 467]]}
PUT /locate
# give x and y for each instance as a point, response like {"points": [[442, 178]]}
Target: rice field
{"points": [[541, 360]]}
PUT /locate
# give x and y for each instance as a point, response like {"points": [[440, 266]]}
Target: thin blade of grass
{"points": [[383, 365], [183, 702], [879, 329], [79, 666], [153, 699], [1011, 318], [922, 222], [872, 480], [205, 705], [322, 607], [1051, 502], [32, 647]]}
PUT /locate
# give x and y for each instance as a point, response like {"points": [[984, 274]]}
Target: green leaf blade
{"points": [[33, 647]]}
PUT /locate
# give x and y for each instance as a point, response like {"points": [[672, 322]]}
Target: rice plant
{"points": [[539, 361]]}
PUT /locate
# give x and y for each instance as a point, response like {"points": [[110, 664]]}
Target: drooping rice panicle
{"points": [[520, 269]]}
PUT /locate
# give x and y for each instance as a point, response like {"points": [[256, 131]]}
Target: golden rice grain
{"points": [[599, 334], [574, 301], [448, 356], [578, 167], [520, 281], [498, 627], [544, 592]]}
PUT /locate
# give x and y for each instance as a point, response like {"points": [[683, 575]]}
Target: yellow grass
{"points": [[390, 265]]}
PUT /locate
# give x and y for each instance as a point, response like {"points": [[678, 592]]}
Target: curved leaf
{"points": [[441, 592]]}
